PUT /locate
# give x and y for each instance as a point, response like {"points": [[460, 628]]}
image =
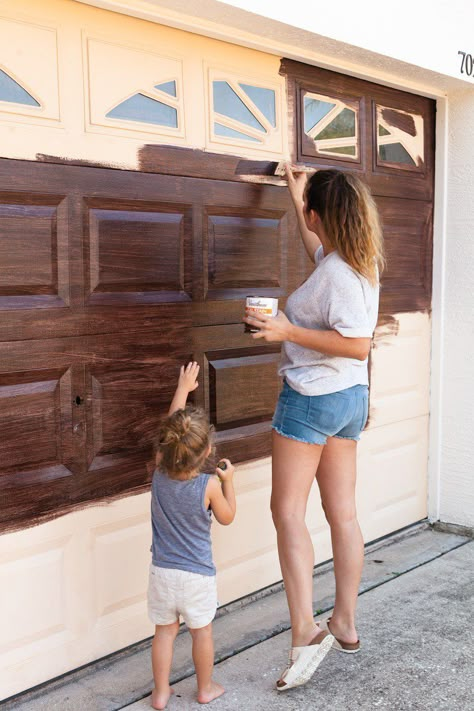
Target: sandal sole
{"points": [[307, 672]]}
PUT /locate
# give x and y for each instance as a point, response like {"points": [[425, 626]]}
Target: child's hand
{"points": [[227, 473], [188, 377]]}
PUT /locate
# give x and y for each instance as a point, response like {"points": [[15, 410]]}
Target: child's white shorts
{"points": [[177, 592]]}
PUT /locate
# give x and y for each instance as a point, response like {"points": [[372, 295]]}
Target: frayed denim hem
{"points": [[296, 439], [354, 439]]}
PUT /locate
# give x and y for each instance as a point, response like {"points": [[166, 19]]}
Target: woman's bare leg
{"points": [[336, 478], [294, 466]]}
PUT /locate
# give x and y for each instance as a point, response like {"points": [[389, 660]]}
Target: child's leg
{"points": [[161, 658], [203, 658]]}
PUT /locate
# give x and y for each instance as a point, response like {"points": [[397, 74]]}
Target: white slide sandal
{"points": [[346, 647], [304, 661]]}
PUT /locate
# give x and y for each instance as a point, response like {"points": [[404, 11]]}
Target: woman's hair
{"points": [[184, 439], [350, 219]]}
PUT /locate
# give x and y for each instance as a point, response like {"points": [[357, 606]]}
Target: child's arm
{"points": [[187, 382], [222, 497]]}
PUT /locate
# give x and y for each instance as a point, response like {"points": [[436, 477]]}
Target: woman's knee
{"points": [[340, 514], [286, 516]]}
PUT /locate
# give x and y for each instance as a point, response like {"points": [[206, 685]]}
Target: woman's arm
{"points": [[296, 186], [279, 328], [330, 342]]}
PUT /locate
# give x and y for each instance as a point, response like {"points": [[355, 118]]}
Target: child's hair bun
{"points": [[184, 441]]}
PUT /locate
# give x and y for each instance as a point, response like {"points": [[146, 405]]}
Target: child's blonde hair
{"points": [[350, 219], [184, 440]]}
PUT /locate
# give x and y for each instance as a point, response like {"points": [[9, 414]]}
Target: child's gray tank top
{"points": [[181, 524]]}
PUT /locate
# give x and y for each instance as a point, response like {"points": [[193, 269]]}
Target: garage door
{"points": [[110, 280]]}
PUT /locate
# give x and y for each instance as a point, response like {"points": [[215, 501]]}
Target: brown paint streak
{"points": [[64, 508], [195, 163], [402, 121], [387, 327], [61, 160]]}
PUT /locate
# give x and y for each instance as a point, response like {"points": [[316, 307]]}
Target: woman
{"points": [[326, 333]]}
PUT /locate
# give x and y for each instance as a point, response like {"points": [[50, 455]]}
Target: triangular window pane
{"points": [[227, 103], [343, 150], [314, 111], [264, 99], [11, 91], [169, 87], [221, 130], [342, 126], [141, 108], [395, 153], [383, 131]]}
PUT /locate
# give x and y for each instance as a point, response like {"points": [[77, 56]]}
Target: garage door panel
{"points": [[391, 493], [402, 348], [36, 413], [406, 282], [132, 248], [233, 395], [249, 245], [129, 385], [245, 253], [239, 387], [40, 220]]}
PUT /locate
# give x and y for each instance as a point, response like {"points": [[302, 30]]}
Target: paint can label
{"points": [[260, 305]]}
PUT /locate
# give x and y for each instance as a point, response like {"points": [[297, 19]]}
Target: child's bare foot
{"points": [[213, 691], [160, 699]]}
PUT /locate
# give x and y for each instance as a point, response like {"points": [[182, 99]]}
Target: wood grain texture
{"points": [[238, 387], [138, 266], [408, 229]]}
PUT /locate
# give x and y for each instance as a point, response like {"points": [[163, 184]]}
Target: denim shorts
{"points": [[314, 418]]}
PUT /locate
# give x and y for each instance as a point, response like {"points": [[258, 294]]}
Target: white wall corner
{"points": [[456, 489], [437, 304]]}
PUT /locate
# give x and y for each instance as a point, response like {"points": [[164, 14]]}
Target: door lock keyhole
{"points": [[78, 400]]}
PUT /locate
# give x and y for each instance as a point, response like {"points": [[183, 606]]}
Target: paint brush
{"points": [[280, 168], [256, 168]]}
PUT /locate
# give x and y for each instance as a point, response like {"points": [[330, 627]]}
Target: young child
{"points": [[182, 573]]}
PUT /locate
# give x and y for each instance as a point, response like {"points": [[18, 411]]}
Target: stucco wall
{"points": [[457, 453]]}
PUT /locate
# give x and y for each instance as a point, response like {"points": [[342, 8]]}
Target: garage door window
{"points": [[400, 141], [243, 112], [158, 107], [12, 91], [332, 125]]}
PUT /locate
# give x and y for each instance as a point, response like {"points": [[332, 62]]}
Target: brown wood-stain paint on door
{"points": [[134, 274]]}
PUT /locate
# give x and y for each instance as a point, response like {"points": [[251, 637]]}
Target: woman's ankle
{"points": [[344, 628], [302, 635]]}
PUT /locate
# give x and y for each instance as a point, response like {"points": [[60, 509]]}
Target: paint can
{"points": [[260, 305]]}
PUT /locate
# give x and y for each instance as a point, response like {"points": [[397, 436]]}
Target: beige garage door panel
{"points": [[392, 476], [400, 370]]}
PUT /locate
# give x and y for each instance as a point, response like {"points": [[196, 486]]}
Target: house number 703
{"points": [[467, 63]]}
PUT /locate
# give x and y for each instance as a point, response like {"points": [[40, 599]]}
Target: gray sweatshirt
{"points": [[334, 297]]}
